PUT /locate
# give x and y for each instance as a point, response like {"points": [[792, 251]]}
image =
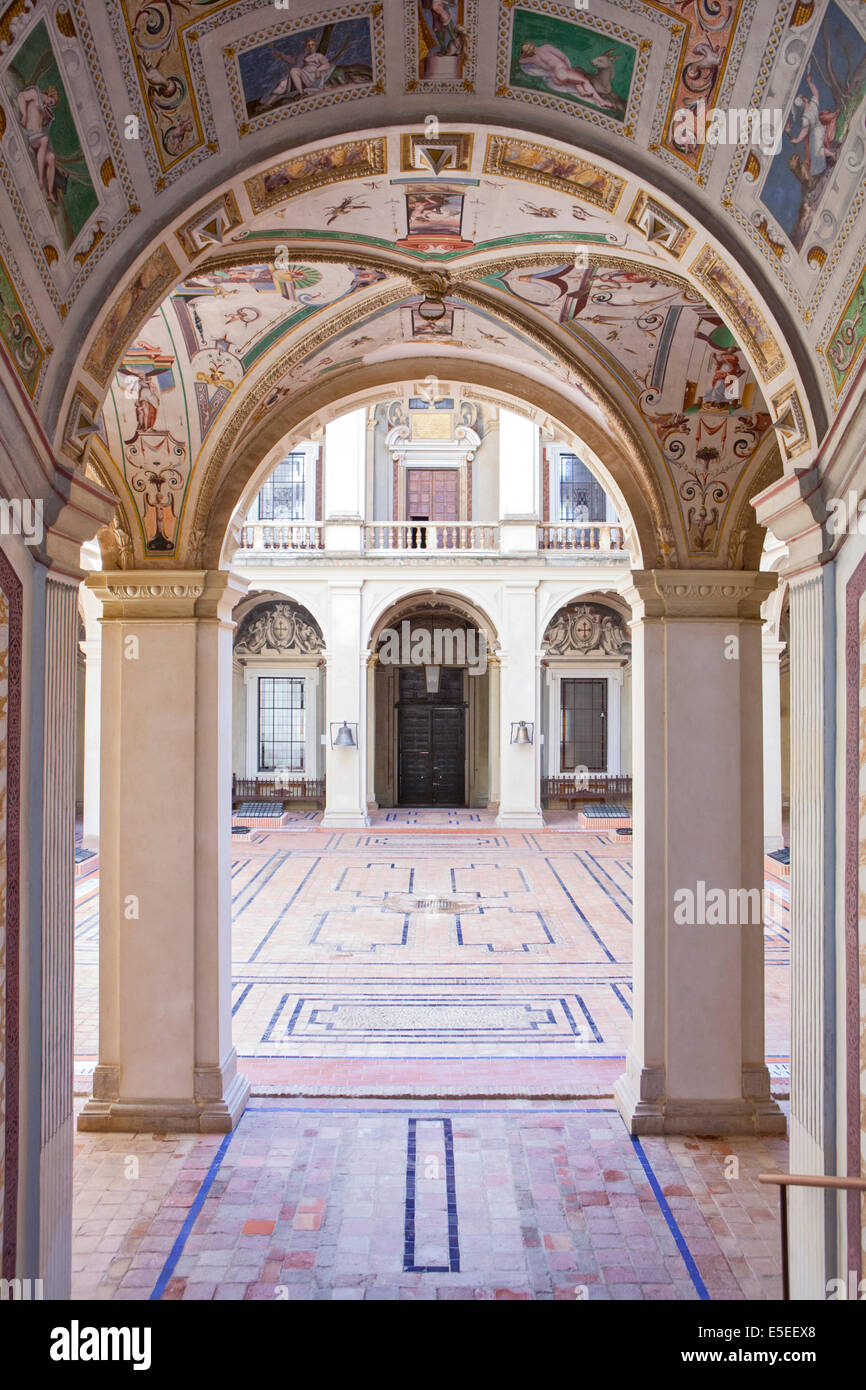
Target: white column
{"points": [[518, 482], [92, 649], [493, 731], [369, 675], [519, 784], [345, 476], [166, 1059], [812, 1214], [345, 702], [773, 835], [696, 1064], [58, 801]]}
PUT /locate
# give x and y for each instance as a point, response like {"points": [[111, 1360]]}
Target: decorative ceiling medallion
{"points": [[294, 67], [440, 46], [64, 207], [354, 159], [133, 305], [595, 68], [706, 51], [552, 168], [803, 204], [432, 155], [723, 287], [166, 80], [660, 226], [210, 226]]}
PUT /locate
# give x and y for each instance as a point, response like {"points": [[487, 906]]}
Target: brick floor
{"points": [[367, 1200]]}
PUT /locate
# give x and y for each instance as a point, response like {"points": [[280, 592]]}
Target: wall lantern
{"points": [[431, 677], [522, 732], [431, 309], [346, 735]]}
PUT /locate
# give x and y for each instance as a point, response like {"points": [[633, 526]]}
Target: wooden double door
{"points": [[433, 494], [431, 739]]}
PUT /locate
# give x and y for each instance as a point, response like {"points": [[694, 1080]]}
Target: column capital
{"points": [[135, 595], [699, 594]]}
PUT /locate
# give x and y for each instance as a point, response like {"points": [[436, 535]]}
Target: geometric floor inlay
{"points": [[431, 945]]}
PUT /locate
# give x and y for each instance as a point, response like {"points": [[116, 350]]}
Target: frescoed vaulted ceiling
{"points": [[214, 212]]}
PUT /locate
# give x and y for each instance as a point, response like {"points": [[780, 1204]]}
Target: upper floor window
{"points": [[581, 496], [283, 497]]}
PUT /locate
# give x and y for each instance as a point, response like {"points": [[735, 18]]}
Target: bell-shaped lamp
{"points": [[345, 736], [522, 732]]}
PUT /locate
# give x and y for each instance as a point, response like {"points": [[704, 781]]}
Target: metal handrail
{"points": [[785, 1180]]}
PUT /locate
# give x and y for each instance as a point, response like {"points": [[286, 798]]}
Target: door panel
{"points": [[446, 503], [431, 740], [419, 494], [449, 787], [416, 756], [432, 494]]}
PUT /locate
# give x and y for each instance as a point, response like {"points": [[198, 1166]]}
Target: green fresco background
{"points": [[35, 65]]}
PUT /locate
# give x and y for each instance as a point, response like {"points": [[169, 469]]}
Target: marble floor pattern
{"points": [[432, 957], [430, 1200]]}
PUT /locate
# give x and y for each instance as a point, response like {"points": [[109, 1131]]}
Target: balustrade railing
{"points": [[418, 536], [583, 535], [286, 535]]}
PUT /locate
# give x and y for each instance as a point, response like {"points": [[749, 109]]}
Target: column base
{"points": [[202, 1115], [345, 820], [520, 820], [645, 1111], [772, 842]]}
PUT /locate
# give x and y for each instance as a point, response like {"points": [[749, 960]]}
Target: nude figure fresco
{"points": [[571, 60], [36, 92]]}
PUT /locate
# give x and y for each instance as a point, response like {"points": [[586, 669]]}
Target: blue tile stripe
{"points": [[279, 919], [582, 915], [671, 1220], [409, 1265], [191, 1218]]}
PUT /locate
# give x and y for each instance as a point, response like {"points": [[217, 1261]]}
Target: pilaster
{"points": [[696, 1064], [519, 785], [166, 1059]]}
